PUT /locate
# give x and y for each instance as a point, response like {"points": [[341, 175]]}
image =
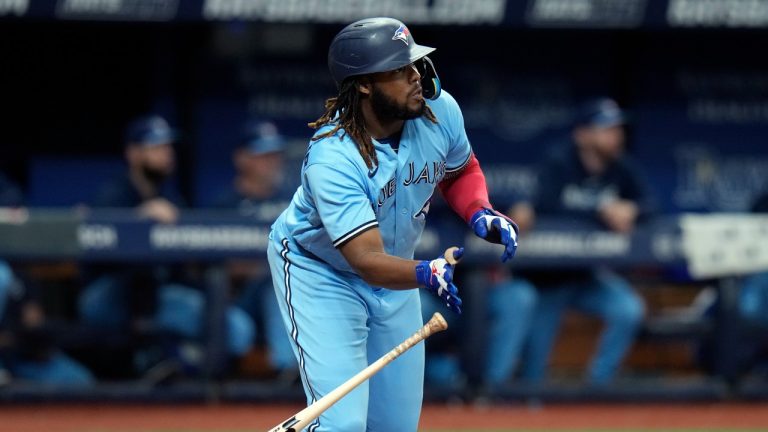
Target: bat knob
{"points": [[437, 322], [453, 254]]}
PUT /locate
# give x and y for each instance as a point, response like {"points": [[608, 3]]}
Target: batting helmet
{"points": [[379, 45]]}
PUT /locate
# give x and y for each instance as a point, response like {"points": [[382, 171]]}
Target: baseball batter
{"points": [[341, 254]]}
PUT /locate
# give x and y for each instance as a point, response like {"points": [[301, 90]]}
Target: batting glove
{"points": [[437, 277], [495, 227]]}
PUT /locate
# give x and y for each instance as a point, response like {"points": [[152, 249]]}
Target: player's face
{"points": [[397, 94], [265, 168], [158, 160], [607, 142]]}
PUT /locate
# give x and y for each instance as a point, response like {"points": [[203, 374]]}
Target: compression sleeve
{"points": [[466, 192]]}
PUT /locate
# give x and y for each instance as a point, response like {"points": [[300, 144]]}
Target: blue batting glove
{"points": [[437, 277], [495, 227]]}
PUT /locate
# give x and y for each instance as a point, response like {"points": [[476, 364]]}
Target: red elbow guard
{"points": [[467, 192]]}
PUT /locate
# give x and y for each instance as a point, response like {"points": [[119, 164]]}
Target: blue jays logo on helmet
{"points": [[402, 34]]}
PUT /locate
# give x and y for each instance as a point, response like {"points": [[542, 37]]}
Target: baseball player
{"points": [[341, 254]]}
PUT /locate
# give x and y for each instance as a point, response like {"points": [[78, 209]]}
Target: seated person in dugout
{"points": [[591, 178], [152, 298]]}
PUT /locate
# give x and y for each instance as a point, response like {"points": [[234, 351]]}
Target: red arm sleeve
{"points": [[466, 192]]}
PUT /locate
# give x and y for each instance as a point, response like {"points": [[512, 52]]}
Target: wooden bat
{"points": [[301, 419], [448, 255]]}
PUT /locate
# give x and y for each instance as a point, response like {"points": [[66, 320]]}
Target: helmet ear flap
{"points": [[430, 82]]}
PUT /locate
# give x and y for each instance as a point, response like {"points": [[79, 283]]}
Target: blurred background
{"points": [[147, 145]]}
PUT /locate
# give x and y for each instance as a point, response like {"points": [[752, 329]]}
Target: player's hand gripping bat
{"points": [[437, 277]]}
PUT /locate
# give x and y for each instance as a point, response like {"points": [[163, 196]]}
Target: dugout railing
{"points": [[213, 237]]}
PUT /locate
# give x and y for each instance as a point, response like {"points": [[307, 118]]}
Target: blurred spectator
{"points": [[258, 191], [753, 299], [739, 346], [508, 311], [482, 347], [591, 179], [752, 351], [146, 298], [512, 304], [147, 184], [444, 369], [27, 344]]}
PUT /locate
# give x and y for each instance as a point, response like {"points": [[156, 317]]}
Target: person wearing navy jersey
{"points": [[590, 179], [258, 192], [144, 296]]}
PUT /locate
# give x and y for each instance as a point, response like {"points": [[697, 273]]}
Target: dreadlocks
{"points": [[347, 105]]}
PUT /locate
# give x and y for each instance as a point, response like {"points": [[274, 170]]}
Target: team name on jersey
{"points": [[387, 191], [431, 173]]}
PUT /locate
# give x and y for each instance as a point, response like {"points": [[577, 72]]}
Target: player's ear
{"points": [[365, 85]]}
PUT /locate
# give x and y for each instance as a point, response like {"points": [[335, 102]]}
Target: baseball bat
{"points": [[301, 419], [448, 255]]}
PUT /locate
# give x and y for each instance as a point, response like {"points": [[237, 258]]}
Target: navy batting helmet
{"points": [[379, 45]]}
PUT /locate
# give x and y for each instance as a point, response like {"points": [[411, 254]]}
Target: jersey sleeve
{"points": [[459, 150], [341, 201]]}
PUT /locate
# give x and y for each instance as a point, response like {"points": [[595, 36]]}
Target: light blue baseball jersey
{"points": [[340, 197]]}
